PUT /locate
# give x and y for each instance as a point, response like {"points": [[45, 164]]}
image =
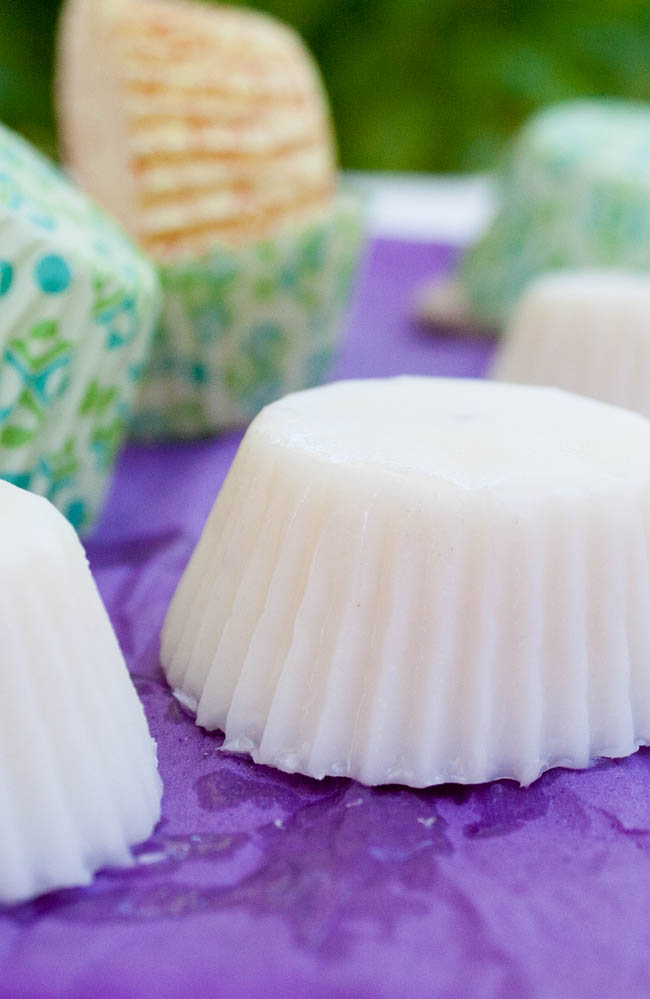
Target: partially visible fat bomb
{"points": [[79, 783], [206, 130], [422, 580], [587, 331], [78, 304]]}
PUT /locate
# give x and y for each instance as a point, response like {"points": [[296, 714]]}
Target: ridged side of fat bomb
{"points": [[219, 116], [78, 775], [587, 331], [333, 623]]}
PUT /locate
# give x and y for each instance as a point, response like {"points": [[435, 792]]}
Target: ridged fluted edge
{"points": [[88, 786], [324, 628]]}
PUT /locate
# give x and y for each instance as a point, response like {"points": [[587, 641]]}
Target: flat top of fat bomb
{"points": [[469, 433]]}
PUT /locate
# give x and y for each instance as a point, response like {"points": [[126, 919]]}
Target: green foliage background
{"points": [[415, 84]]}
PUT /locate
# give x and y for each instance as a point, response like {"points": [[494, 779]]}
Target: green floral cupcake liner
{"points": [[78, 304], [575, 192], [241, 328]]}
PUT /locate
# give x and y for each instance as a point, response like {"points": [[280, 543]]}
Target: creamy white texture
{"points": [[424, 580], [78, 777], [587, 331], [467, 433]]}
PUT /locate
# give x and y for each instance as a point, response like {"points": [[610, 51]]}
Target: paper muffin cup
{"points": [[78, 304], [242, 327], [78, 776], [215, 148], [575, 193], [585, 331], [421, 581]]}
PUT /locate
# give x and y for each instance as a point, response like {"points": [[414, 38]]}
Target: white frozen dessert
{"points": [[78, 776], [423, 580], [587, 331]]}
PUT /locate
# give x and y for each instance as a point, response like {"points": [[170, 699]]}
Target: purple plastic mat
{"points": [[261, 884]]}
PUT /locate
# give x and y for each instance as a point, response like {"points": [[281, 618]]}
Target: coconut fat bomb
{"points": [[424, 580], [78, 304], [215, 148], [78, 777], [585, 331]]}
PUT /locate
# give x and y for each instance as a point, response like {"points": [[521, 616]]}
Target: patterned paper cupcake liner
{"points": [[243, 327], [78, 305], [575, 193]]}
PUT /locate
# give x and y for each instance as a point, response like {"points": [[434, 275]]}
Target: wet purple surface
{"points": [[261, 884]]}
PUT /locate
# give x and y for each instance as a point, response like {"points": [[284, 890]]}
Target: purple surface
{"points": [[261, 884]]}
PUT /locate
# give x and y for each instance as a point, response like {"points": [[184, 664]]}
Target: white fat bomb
{"points": [[78, 777], [423, 580], [587, 331]]}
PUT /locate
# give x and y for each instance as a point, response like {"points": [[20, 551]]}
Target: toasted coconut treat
{"points": [[195, 125], [206, 130]]}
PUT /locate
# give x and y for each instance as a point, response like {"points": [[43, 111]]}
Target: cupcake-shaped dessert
{"points": [[574, 192], [78, 777], [424, 580], [78, 305], [586, 331], [214, 146]]}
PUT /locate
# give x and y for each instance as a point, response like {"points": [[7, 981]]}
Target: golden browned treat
{"points": [[195, 125], [205, 129]]}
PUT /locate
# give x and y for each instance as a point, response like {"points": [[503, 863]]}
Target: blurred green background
{"points": [[432, 85]]}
